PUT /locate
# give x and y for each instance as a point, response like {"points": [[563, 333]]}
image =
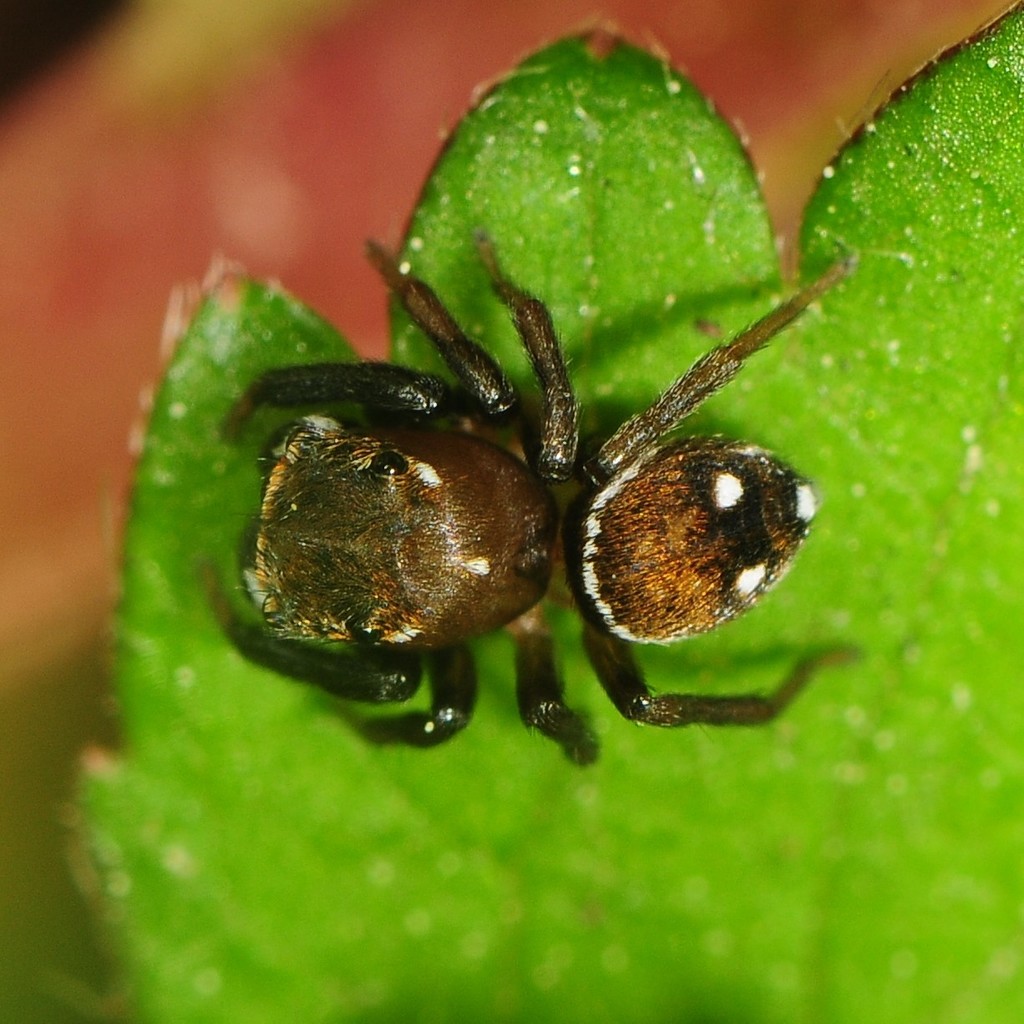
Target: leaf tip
{"points": [[224, 282], [182, 304], [602, 39]]}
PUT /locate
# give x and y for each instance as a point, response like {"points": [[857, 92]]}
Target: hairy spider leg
{"points": [[559, 432], [709, 374], [452, 679], [474, 368], [374, 675], [378, 386], [616, 668], [539, 690]]}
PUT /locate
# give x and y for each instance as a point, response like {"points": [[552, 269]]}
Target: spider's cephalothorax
{"points": [[394, 538], [408, 541]]}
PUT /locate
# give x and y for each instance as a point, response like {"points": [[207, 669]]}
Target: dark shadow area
{"points": [[33, 33], [684, 1000], [53, 966]]}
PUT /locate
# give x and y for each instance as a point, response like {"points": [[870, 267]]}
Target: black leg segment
{"points": [[373, 675], [453, 695], [559, 432], [539, 691], [377, 386], [708, 375], [475, 369], [617, 670]]}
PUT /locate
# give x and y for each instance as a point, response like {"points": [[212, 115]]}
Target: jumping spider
{"points": [[410, 539]]}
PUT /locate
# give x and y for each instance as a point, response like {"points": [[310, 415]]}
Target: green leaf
{"points": [[923, 422], [857, 860]]}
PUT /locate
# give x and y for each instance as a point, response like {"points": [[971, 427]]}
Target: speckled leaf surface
{"points": [[925, 422], [858, 860]]}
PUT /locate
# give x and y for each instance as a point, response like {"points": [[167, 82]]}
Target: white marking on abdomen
{"points": [[750, 579], [806, 502], [728, 490]]}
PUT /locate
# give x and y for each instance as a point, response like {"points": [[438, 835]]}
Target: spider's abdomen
{"points": [[687, 537], [399, 537]]}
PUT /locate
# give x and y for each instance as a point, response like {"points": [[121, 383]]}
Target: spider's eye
{"points": [[388, 463]]}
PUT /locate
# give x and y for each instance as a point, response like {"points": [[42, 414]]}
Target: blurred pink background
{"points": [[281, 135]]}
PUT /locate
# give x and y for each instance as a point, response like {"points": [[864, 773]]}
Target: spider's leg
{"points": [[710, 373], [474, 368], [617, 670], [559, 431], [378, 386], [373, 675], [453, 694], [539, 690]]}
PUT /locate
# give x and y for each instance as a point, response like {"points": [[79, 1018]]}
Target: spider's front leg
{"points": [[381, 387], [473, 367], [555, 459]]}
